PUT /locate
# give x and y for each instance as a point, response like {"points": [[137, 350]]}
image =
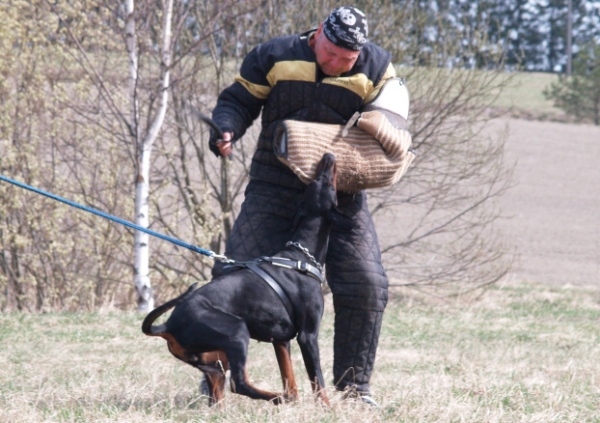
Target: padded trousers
{"points": [[353, 266]]}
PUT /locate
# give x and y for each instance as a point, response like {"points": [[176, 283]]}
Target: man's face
{"points": [[332, 60]]}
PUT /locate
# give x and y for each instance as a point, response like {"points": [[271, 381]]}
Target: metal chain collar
{"points": [[224, 259], [307, 253]]}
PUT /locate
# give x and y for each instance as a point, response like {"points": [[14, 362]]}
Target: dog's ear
{"points": [[339, 219], [335, 173]]}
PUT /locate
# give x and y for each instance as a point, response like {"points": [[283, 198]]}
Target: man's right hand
{"points": [[225, 146]]}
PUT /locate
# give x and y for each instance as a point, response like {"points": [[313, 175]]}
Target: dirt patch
{"points": [[554, 208]]}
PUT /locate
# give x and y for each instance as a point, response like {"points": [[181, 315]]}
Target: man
{"points": [[325, 76]]}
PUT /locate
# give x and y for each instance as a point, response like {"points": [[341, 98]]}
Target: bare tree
{"points": [[95, 106], [445, 206], [157, 41], [444, 209], [145, 141]]}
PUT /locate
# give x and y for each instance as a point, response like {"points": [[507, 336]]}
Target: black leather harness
{"points": [[300, 266]]}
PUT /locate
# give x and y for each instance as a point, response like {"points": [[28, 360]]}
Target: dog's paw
{"points": [[290, 397], [278, 400]]}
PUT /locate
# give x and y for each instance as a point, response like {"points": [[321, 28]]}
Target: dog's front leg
{"points": [[309, 347], [282, 352], [240, 383]]}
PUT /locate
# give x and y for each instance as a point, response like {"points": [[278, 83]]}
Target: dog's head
{"points": [[320, 197]]}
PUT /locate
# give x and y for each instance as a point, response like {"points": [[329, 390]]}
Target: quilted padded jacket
{"points": [[281, 78]]}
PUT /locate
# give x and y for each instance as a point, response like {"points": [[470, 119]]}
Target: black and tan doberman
{"points": [[210, 327]]}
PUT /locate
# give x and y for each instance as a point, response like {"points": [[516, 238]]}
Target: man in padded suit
{"points": [[323, 75]]}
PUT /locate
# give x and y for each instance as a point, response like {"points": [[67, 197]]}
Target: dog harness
{"points": [[297, 265]]}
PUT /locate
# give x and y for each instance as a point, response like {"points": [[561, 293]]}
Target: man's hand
{"points": [[225, 147]]}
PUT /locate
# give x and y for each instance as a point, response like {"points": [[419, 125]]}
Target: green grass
{"points": [[524, 95], [516, 94], [518, 353]]}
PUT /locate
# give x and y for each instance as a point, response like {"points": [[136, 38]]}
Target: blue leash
{"points": [[194, 248]]}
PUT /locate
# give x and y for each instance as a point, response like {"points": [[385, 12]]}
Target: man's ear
{"points": [[319, 29], [339, 219]]}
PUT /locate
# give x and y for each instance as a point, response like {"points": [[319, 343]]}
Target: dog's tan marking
{"points": [[290, 389], [215, 358], [175, 347], [268, 395]]}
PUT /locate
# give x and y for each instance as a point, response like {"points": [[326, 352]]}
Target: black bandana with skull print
{"points": [[347, 27]]}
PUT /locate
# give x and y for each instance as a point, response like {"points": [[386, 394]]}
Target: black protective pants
{"points": [[353, 267]]}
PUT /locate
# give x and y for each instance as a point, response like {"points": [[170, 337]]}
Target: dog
{"points": [[210, 328]]}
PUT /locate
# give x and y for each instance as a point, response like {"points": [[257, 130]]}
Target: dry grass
{"points": [[519, 353]]}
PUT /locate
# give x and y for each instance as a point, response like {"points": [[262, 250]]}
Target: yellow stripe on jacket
{"points": [[298, 70]]}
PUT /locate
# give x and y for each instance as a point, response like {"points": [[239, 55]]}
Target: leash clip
{"points": [[222, 258]]}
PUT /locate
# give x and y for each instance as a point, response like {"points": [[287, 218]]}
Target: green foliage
{"points": [[524, 95], [579, 94], [50, 256]]}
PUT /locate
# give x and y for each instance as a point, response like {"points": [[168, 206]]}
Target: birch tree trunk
{"points": [[143, 145]]}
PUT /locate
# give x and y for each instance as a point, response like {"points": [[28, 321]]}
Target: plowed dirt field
{"points": [[554, 207]]}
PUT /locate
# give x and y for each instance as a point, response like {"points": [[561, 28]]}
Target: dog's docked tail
{"points": [[147, 327]]}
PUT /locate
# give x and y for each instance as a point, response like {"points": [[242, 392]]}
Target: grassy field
{"points": [[521, 352], [517, 353], [524, 96]]}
